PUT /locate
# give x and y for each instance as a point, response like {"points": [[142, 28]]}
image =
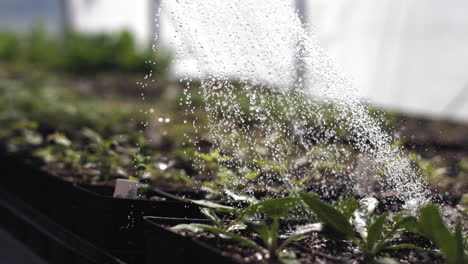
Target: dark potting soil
{"points": [[318, 250]]}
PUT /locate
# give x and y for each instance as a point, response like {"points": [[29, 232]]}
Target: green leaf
{"points": [[385, 260], [207, 157], [409, 226], [273, 208], [307, 229], [328, 215], [198, 228], [240, 197], [301, 231], [217, 207], [433, 227], [131, 178], [211, 215], [348, 207], [268, 234], [289, 261], [405, 222], [252, 175], [460, 254], [92, 135], [240, 226], [59, 139], [288, 257], [375, 232], [399, 222]]}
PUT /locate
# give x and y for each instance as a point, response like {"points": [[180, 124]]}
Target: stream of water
{"points": [[272, 94]]}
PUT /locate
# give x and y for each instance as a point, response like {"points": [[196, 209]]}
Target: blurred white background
{"points": [[409, 55], [404, 54]]}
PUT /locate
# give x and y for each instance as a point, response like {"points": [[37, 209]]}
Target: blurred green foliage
{"points": [[9, 43], [68, 129], [81, 53], [64, 110], [76, 134]]}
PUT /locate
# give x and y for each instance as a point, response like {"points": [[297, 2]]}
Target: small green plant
{"points": [[375, 236], [431, 225], [373, 239], [379, 234], [263, 218]]}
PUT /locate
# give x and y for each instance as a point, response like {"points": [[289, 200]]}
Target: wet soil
{"points": [[318, 249]]}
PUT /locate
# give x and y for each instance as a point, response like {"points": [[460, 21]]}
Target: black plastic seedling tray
{"points": [[117, 224], [113, 224], [49, 240], [166, 246], [42, 191]]}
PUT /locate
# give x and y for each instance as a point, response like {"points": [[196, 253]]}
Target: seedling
{"points": [[262, 217], [380, 234], [431, 225]]}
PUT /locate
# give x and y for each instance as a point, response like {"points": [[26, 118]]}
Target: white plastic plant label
{"points": [[126, 189]]}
